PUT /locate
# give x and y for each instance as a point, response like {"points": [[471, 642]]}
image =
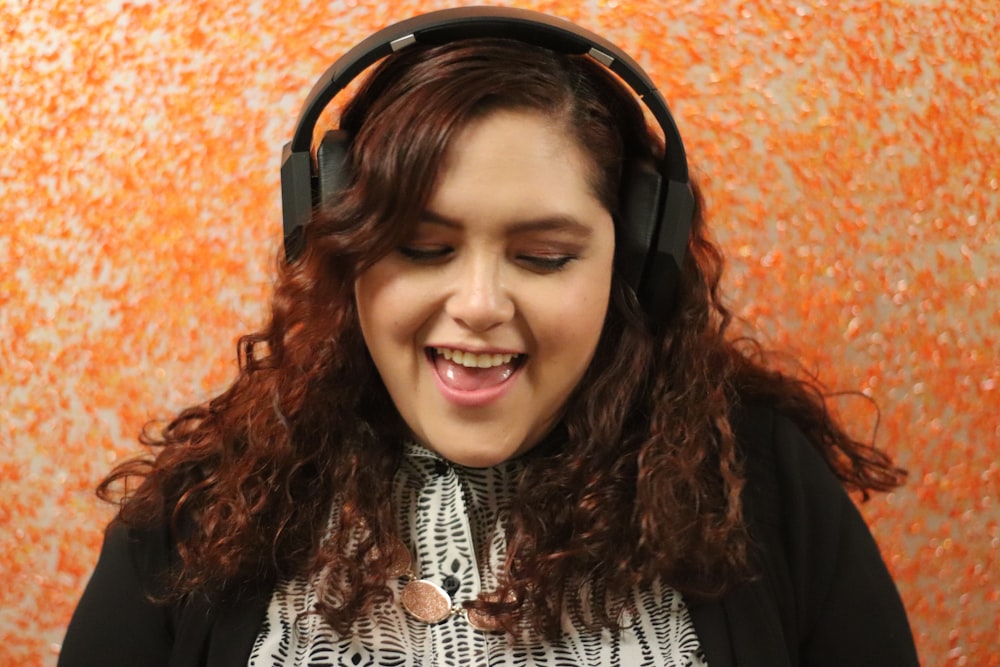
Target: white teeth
{"points": [[473, 360]]}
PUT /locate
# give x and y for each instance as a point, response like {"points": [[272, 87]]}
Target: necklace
{"points": [[425, 601]]}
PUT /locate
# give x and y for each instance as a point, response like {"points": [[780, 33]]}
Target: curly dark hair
{"points": [[641, 478]]}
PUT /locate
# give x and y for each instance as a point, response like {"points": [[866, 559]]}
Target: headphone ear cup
{"points": [[655, 219], [331, 166], [639, 216], [662, 274]]}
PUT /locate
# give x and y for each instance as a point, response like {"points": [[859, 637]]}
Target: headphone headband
{"points": [[659, 202], [449, 25]]}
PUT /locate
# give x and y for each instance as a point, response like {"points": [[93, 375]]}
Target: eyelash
{"points": [[548, 263], [423, 255], [539, 263]]}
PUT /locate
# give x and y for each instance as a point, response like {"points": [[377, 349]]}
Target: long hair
{"points": [[645, 453]]}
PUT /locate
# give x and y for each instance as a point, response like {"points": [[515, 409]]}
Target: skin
{"points": [[512, 256]]}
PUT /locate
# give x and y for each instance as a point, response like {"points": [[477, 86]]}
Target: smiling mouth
{"points": [[465, 371]]}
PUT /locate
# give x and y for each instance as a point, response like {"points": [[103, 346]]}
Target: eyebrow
{"points": [[561, 223]]}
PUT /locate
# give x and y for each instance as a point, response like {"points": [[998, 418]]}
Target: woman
{"points": [[463, 439]]}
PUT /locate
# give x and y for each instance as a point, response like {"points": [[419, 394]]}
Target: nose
{"points": [[480, 301]]}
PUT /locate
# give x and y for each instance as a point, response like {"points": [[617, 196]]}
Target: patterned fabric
{"points": [[453, 519]]}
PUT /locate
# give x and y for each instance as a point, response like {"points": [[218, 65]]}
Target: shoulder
{"points": [[797, 510], [117, 620], [816, 554], [764, 434], [779, 458]]}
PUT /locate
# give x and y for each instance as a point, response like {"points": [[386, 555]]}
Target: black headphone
{"points": [[657, 201]]}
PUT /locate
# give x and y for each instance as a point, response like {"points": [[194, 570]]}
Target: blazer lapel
{"points": [[236, 627], [742, 629], [214, 634], [712, 627]]}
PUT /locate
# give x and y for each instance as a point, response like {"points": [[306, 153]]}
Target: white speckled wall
{"points": [[849, 156]]}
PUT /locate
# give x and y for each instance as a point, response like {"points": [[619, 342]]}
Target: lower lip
{"points": [[479, 397]]}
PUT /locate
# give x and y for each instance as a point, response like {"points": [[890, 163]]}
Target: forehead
{"points": [[535, 161]]}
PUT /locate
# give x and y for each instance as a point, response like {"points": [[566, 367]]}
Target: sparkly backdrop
{"points": [[849, 156]]}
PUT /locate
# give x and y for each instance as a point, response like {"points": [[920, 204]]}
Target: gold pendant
{"points": [[481, 621], [426, 601], [400, 561]]}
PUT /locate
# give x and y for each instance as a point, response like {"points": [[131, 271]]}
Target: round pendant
{"points": [[400, 560], [481, 621], [426, 601]]}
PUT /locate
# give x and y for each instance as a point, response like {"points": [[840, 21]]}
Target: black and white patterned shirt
{"points": [[453, 518]]}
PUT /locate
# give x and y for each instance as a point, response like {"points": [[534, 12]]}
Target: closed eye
{"points": [[544, 263], [424, 254]]}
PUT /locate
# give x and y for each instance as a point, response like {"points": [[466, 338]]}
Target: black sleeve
{"points": [[847, 608], [115, 623]]}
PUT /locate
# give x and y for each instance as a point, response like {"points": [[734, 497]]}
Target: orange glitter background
{"points": [[848, 151]]}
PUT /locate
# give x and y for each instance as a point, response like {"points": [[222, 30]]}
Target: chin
{"points": [[459, 453], [474, 459]]}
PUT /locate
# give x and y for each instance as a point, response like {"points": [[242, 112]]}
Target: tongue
{"points": [[462, 378]]}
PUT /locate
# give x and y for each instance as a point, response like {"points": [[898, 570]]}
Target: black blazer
{"points": [[823, 596]]}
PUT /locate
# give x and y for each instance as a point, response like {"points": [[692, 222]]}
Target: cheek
{"points": [[373, 296], [574, 321], [593, 313], [391, 311]]}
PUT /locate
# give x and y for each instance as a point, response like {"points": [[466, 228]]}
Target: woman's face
{"points": [[483, 323]]}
